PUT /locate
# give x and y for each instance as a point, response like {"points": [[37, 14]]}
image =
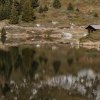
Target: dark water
{"points": [[20, 63]]}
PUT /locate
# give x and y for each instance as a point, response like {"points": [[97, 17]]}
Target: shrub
{"points": [[35, 3], [96, 15], [56, 4], [41, 10], [70, 7], [45, 8], [77, 9]]}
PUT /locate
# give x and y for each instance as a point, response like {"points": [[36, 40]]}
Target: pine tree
{"points": [[7, 9], [2, 2], [27, 12], [14, 18], [41, 10], [35, 3], [56, 4], [1, 13], [18, 7], [3, 35]]}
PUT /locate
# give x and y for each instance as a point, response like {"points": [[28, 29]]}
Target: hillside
{"points": [[94, 37], [46, 52], [84, 11]]}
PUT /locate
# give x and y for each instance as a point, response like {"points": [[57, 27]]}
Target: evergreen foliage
{"points": [[14, 18], [56, 4], [41, 10], [27, 12], [35, 3], [18, 7], [5, 10]]}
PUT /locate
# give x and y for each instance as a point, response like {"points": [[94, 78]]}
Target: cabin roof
{"points": [[97, 27]]}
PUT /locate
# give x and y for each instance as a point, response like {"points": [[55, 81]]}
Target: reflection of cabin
{"points": [[92, 28]]}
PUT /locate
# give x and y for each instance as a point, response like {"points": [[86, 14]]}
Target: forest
{"points": [[16, 10]]}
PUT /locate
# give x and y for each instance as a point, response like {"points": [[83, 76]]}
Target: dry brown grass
{"points": [[81, 18]]}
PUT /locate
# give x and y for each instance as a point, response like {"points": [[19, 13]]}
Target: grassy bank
{"points": [[94, 37]]}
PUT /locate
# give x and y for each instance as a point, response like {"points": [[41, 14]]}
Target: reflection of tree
{"points": [[48, 33], [5, 64], [18, 62], [56, 65], [27, 59], [3, 35], [33, 69]]}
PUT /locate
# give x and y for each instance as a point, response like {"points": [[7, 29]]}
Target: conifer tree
{"points": [[14, 18], [1, 13], [35, 3], [27, 12], [18, 7], [56, 4], [7, 9], [41, 10]]}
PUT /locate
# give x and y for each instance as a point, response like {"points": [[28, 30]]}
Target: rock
{"points": [[31, 98], [67, 35], [38, 25], [38, 46], [37, 76], [81, 89], [24, 80], [89, 84], [54, 47], [82, 80], [54, 22], [34, 91], [12, 82], [89, 74], [15, 98]]}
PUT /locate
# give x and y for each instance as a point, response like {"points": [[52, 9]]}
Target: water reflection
{"points": [[25, 70]]}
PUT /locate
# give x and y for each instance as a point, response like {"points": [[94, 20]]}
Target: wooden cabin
{"points": [[92, 28]]}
